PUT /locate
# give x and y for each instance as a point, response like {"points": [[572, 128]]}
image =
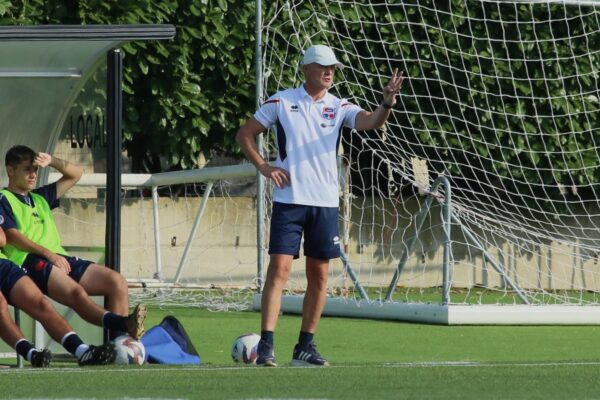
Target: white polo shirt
{"points": [[308, 136]]}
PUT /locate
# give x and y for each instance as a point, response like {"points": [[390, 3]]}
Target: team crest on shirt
{"points": [[328, 113]]}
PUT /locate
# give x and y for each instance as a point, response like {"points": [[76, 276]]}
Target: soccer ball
{"points": [[244, 348], [129, 351]]}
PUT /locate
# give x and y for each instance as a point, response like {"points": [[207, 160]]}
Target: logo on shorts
{"points": [[40, 265], [336, 240]]}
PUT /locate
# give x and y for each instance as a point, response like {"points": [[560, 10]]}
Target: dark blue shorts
{"points": [[319, 225], [38, 268], [10, 273]]}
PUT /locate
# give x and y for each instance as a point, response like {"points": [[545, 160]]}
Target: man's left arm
{"points": [[71, 173], [366, 120]]}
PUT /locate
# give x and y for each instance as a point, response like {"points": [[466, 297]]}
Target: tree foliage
{"points": [[180, 97], [505, 101], [501, 93]]}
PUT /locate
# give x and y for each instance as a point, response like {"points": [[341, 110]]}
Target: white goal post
{"points": [[501, 105]]}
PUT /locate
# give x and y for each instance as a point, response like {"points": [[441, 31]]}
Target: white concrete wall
{"points": [[224, 250]]}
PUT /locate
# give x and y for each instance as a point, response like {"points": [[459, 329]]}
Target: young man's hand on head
{"points": [[42, 160]]}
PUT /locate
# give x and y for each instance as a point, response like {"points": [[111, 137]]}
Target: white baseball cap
{"points": [[322, 55]]}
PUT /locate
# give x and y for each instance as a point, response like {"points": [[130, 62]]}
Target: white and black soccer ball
{"points": [[129, 351], [244, 349]]}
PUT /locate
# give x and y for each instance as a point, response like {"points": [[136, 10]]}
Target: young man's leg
{"points": [[62, 288], [13, 336], [100, 280], [278, 273], [27, 296], [9, 331], [68, 292]]}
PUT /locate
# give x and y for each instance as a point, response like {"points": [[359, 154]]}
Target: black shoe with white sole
{"points": [[308, 356]]}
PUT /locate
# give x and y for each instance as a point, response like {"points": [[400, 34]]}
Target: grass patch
{"points": [[371, 359]]}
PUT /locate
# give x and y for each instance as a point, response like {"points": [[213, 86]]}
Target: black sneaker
{"points": [[266, 354], [308, 356], [135, 321], [41, 358], [98, 355]]}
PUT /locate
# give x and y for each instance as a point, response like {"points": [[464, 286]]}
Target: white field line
{"points": [[429, 364]]}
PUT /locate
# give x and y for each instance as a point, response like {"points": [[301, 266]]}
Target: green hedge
{"points": [[181, 97], [191, 95], [486, 100]]}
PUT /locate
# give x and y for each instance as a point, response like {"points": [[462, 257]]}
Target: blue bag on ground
{"points": [[168, 343]]}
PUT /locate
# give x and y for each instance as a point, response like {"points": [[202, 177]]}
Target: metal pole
{"points": [[446, 226], [18, 322], [114, 132], [188, 245], [420, 220], [114, 123], [157, 255], [350, 271], [260, 181], [488, 257]]}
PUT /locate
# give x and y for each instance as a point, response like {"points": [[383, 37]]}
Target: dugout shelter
{"points": [[44, 71]]}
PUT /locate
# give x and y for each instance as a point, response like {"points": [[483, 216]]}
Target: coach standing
{"points": [[308, 122]]}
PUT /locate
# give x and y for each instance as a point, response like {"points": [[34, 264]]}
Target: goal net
{"points": [[500, 99], [188, 238]]}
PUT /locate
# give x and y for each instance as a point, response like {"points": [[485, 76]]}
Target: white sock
{"points": [[29, 353], [80, 350]]}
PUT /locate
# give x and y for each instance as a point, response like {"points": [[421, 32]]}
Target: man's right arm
{"points": [[246, 138], [21, 242], [71, 173]]}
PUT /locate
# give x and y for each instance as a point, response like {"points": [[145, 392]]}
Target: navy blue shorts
{"points": [[38, 268], [10, 273], [319, 225]]}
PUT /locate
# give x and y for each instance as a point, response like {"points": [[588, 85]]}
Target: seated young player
{"points": [[17, 289], [34, 243]]}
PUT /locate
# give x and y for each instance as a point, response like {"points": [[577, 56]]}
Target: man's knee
{"points": [[317, 284], [76, 294], [118, 283], [101, 280], [44, 305], [278, 275], [318, 279], [39, 308]]}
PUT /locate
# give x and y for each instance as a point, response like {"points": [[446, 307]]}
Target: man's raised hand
{"points": [[393, 87]]}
